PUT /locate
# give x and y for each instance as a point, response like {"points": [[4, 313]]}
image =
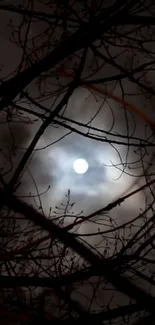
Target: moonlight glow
{"points": [[80, 166]]}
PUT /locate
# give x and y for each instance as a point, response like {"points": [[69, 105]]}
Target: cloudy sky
{"points": [[113, 169]]}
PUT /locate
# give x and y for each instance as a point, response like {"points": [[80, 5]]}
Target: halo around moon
{"points": [[80, 166]]}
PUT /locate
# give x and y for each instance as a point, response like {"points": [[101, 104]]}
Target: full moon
{"points": [[80, 166]]}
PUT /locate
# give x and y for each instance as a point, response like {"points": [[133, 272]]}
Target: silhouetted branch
{"points": [[121, 283], [86, 34]]}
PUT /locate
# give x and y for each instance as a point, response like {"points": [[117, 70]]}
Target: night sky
{"points": [[116, 162]]}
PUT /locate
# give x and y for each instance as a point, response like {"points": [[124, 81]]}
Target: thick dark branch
{"points": [[112, 276], [53, 282], [128, 20], [137, 20], [13, 281]]}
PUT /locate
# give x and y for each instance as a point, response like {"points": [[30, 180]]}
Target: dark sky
{"points": [[113, 170], [53, 165]]}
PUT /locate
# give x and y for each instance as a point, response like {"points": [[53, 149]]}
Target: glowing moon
{"points": [[80, 166]]}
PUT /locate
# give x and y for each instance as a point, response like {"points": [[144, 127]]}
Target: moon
{"points": [[80, 166]]}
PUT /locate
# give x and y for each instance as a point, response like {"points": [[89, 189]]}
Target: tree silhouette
{"points": [[73, 250]]}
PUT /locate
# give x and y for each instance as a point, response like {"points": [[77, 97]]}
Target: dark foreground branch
{"points": [[112, 276], [86, 35]]}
